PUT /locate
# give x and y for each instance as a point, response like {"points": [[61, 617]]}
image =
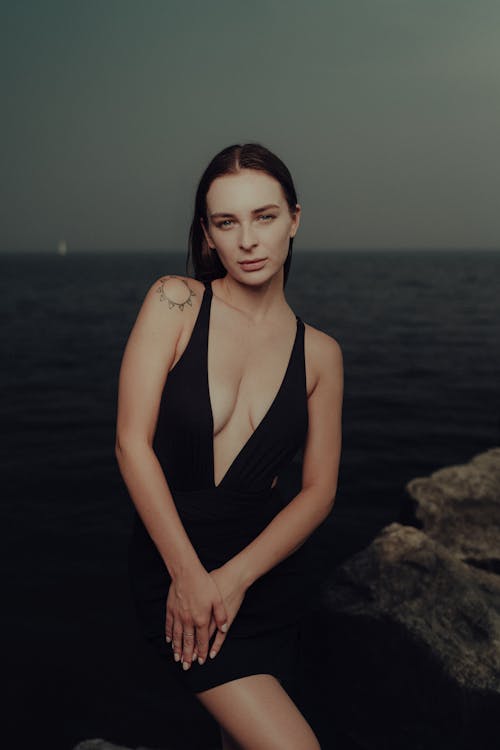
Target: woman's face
{"points": [[249, 219]]}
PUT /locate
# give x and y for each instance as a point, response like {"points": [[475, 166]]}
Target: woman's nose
{"points": [[247, 236]]}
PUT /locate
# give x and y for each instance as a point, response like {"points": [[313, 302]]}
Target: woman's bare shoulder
{"points": [[323, 354], [321, 344], [175, 290], [169, 304], [169, 295]]}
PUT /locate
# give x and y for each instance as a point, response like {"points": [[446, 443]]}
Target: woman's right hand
{"points": [[192, 598]]}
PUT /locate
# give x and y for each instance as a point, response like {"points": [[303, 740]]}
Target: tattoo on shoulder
{"points": [[171, 302]]}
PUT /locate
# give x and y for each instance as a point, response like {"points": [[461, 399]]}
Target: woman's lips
{"points": [[252, 265]]}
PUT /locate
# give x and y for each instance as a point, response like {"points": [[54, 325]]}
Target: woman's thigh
{"points": [[259, 714]]}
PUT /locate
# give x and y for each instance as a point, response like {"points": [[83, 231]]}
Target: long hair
{"points": [[205, 263]]}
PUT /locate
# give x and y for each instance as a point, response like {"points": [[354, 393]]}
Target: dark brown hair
{"points": [[231, 160]]}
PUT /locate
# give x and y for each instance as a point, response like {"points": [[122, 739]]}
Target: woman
{"points": [[220, 385]]}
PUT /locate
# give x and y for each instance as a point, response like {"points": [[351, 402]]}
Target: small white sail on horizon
{"points": [[62, 247]]}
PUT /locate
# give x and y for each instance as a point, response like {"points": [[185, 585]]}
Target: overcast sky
{"points": [[387, 113]]}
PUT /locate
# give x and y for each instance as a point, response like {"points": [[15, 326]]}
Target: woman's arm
{"points": [[149, 354], [291, 527]]}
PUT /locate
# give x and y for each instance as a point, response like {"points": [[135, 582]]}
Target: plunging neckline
{"points": [[264, 418]]}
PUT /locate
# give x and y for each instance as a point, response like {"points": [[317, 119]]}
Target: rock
{"points": [[100, 744], [413, 644], [459, 507]]}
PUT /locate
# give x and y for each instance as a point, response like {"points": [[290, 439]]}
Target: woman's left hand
{"points": [[233, 593]]}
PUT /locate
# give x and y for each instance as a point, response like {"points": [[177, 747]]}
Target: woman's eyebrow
{"points": [[255, 211]]}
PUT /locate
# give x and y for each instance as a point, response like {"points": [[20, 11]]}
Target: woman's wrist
{"points": [[239, 571], [185, 568]]}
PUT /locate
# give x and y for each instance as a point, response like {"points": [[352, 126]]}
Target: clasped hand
{"points": [[198, 604]]}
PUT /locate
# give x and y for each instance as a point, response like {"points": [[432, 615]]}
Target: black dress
{"points": [[222, 519]]}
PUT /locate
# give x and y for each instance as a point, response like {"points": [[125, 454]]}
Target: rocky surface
{"points": [[100, 744], [413, 620], [459, 507], [444, 606]]}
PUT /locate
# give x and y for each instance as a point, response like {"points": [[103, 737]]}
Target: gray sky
{"points": [[387, 113]]}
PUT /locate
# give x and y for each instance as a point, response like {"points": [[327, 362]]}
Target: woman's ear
{"points": [[295, 220]]}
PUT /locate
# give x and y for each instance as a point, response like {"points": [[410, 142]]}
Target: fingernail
{"points": [[224, 627], [200, 660], [185, 665], [212, 654], [177, 657], [168, 639]]}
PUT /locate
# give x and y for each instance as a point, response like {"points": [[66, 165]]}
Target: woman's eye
{"points": [[226, 222]]}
